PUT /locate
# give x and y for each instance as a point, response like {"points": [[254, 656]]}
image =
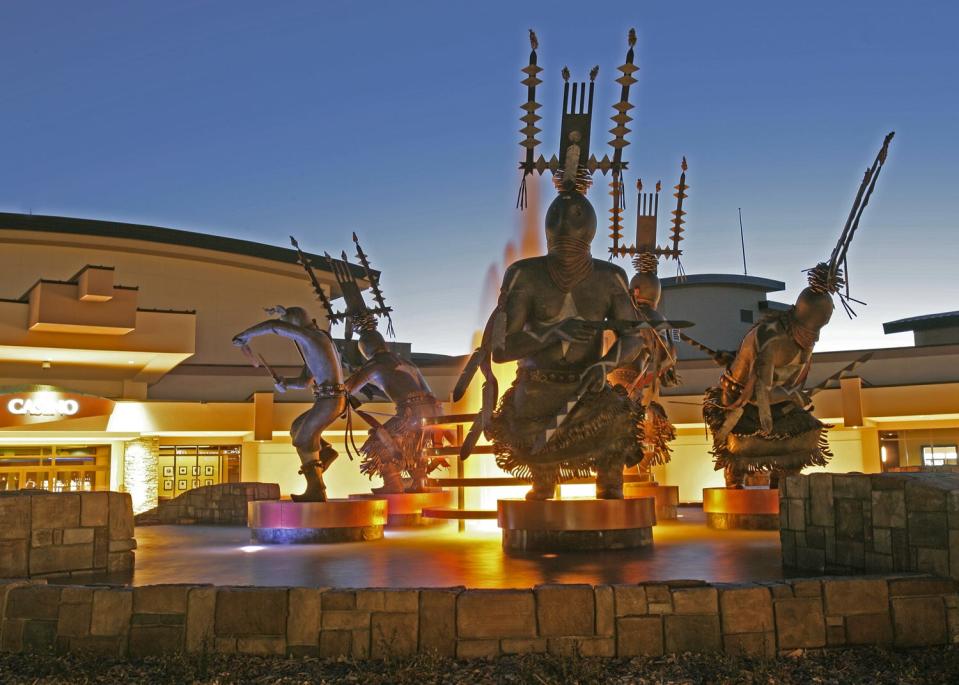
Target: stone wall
{"points": [[141, 459], [877, 523], [221, 504], [63, 534], [618, 620]]}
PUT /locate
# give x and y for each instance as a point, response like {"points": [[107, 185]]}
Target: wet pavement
{"points": [[443, 557]]}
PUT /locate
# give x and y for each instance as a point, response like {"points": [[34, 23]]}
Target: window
{"points": [[746, 315], [939, 455]]}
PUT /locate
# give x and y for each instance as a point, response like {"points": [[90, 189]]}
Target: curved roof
{"points": [[156, 234], [922, 323], [736, 280]]}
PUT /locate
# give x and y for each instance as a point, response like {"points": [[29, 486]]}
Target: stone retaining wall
{"points": [[877, 523], [62, 534], [221, 504], [617, 620]]}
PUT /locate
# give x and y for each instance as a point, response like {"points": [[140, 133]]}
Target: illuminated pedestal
{"points": [[405, 509], [742, 509], [666, 496], [576, 525], [337, 520]]}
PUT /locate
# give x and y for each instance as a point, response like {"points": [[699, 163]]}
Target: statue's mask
{"points": [[570, 228]]}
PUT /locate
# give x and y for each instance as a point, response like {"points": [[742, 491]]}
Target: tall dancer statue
{"points": [[323, 373]]}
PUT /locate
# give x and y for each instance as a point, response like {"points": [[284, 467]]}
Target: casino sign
{"points": [[27, 405]]}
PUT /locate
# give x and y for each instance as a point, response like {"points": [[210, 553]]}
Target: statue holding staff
{"points": [[760, 415], [323, 374]]}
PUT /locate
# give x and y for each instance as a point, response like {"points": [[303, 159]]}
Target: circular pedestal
{"points": [[337, 520], [666, 496], [576, 525], [741, 509], [405, 509]]}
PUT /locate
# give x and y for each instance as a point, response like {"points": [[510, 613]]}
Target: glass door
{"points": [[56, 468]]}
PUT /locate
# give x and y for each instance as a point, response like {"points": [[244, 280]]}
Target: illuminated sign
{"points": [[43, 403], [43, 406]]}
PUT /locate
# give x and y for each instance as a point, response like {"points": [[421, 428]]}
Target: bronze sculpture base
{"points": [[405, 509], [741, 508], [666, 496], [576, 525], [338, 520]]}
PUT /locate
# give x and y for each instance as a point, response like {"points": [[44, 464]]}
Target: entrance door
{"points": [[56, 468]]}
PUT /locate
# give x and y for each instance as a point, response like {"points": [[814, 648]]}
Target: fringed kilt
{"points": [[658, 432], [798, 438], [409, 437], [604, 428]]}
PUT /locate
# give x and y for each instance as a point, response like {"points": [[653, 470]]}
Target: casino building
{"points": [[116, 364], [116, 369]]}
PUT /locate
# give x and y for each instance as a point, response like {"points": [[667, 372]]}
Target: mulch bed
{"points": [[873, 666]]}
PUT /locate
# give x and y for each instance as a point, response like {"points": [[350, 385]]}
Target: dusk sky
{"points": [[399, 121]]}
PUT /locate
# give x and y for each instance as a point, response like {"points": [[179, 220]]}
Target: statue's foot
{"points": [[315, 487], [538, 495], [311, 494], [388, 489], [610, 493]]}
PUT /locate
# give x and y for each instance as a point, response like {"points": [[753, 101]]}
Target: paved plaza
{"points": [[443, 557]]}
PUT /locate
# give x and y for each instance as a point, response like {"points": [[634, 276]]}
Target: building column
{"points": [[140, 462]]}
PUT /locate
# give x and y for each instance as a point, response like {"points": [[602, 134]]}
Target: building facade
{"points": [[117, 369], [116, 364]]}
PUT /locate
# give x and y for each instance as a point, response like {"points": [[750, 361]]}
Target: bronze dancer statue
{"points": [[561, 418], [760, 415], [396, 447], [322, 373], [655, 366]]}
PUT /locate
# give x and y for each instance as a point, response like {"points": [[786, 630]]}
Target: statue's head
{"points": [[296, 316], [371, 342], [570, 220], [813, 309], [645, 289]]}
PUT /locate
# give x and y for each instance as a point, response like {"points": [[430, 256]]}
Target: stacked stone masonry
{"points": [[619, 620], [878, 523], [65, 534], [221, 504]]}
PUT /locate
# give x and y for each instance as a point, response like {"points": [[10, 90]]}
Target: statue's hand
{"points": [[571, 330], [595, 377], [240, 340]]}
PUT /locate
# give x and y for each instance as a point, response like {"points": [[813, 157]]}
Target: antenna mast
{"points": [[742, 241]]}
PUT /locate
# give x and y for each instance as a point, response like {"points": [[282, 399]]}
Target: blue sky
{"points": [[399, 121]]}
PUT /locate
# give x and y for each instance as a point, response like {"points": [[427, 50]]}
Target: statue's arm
{"points": [[359, 378], [628, 346], [274, 327], [764, 382], [299, 382]]}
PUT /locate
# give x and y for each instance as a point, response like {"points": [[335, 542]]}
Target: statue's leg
{"points": [[776, 476], [609, 481], [419, 477], [544, 482], [735, 475], [315, 454], [392, 479]]}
